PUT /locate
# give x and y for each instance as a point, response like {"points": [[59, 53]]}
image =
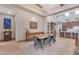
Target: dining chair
{"points": [[37, 43], [53, 39], [48, 41]]}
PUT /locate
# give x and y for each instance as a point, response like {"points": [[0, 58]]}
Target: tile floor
{"points": [[62, 46]]}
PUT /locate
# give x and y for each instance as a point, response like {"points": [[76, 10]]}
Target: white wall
{"points": [[22, 22], [22, 19], [44, 25]]}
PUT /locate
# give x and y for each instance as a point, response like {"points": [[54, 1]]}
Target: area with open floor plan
{"points": [[39, 29]]}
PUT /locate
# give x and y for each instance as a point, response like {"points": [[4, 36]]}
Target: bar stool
{"points": [[66, 35], [69, 35], [76, 35], [72, 35], [62, 34]]}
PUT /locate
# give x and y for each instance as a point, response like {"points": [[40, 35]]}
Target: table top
{"points": [[43, 36]]}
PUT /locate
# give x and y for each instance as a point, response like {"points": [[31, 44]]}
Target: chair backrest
{"points": [[49, 38], [35, 39]]}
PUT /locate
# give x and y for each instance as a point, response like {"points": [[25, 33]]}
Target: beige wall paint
{"points": [[23, 19]]}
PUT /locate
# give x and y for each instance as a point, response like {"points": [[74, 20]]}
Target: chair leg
{"points": [[36, 48], [54, 41], [34, 45], [49, 44], [41, 45]]}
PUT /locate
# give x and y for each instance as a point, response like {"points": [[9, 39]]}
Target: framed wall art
{"points": [[33, 25], [7, 23]]}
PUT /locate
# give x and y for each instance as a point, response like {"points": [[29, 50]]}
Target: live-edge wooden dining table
{"points": [[43, 37]]}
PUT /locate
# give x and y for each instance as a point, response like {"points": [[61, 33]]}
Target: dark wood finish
{"points": [[70, 25], [7, 35], [48, 27], [67, 25], [53, 30], [61, 34]]}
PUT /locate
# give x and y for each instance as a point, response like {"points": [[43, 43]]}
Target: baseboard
{"points": [[21, 41], [1, 40], [7, 40]]}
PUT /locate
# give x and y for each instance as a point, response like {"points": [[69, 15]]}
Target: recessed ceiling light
{"points": [[67, 14], [8, 12], [76, 12]]}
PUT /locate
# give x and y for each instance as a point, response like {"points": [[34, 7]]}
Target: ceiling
{"points": [[48, 9], [58, 8], [47, 6], [42, 9], [53, 10], [45, 9]]}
